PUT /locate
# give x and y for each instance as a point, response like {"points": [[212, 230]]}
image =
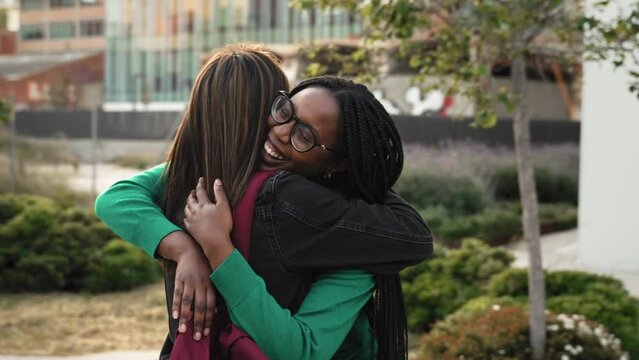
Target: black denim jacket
{"points": [[301, 228]]}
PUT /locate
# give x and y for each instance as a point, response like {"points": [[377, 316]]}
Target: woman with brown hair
{"points": [[303, 232]]}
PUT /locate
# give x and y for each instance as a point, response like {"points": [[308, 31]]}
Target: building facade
{"points": [[609, 168], [59, 26], [61, 81], [151, 60]]}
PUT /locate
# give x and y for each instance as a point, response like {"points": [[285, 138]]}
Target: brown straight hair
{"points": [[224, 126]]}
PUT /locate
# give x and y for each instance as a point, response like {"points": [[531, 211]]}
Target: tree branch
{"points": [[543, 23]]}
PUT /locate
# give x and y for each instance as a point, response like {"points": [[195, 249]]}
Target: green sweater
{"points": [[330, 321]]}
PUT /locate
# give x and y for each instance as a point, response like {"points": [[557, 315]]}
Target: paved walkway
{"points": [[559, 252]]}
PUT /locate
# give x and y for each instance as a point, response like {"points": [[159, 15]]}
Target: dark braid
{"points": [[375, 156]]}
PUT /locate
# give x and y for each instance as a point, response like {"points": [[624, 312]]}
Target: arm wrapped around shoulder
{"points": [[316, 227]]}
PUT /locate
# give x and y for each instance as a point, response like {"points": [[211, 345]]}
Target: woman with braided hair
{"points": [[320, 241], [372, 162]]}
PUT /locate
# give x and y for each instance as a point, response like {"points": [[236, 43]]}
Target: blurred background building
{"points": [[153, 59], [58, 26], [9, 24], [152, 50], [56, 60]]}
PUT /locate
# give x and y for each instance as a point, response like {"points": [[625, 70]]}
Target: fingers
{"points": [[200, 192], [177, 300], [185, 308], [189, 208], [220, 195], [191, 201], [210, 310], [200, 314]]}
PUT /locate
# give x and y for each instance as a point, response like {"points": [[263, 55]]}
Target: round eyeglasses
{"points": [[303, 136]]}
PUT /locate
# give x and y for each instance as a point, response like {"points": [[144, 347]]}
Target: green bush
{"points": [[122, 266], [458, 195], [497, 225], [435, 216], [512, 282], [438, 287], [600, 298], [552, 187], [556, 217], [502, 333], [45, 246], [609, 305], [454, 229]]}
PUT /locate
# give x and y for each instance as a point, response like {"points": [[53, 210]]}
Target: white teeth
{"points": [[272, 152]]}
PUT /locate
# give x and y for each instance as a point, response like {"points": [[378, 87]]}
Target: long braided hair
{"points": [[373, 149]]}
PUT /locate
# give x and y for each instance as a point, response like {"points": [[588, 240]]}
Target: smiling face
{"points": [[317, 108]]}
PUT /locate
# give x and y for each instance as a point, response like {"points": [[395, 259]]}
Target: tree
{"points": [[457, 42], [5, 111]]}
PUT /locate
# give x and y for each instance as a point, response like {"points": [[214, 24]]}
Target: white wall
{"points": [[609, 170]]}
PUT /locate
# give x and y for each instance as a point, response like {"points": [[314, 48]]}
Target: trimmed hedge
{"points": [[552, 187], [497, 224], [458, 195], [46, 246]]}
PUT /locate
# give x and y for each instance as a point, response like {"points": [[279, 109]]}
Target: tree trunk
{"points": [[530, 216]]}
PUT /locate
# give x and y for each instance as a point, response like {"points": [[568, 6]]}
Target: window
{"points": [[32, 32], [90, 2], [62, 30], [31, 4], [91, 28], [62, 3]]}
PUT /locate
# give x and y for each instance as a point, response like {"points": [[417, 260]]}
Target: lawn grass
{"points": [[73, 324]]}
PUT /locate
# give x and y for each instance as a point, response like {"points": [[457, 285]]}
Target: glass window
{"points": [[91, 28], [32, 4], [32, 32], [62, 30], [62, 3]]}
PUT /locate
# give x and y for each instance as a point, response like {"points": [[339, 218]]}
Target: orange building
{"points": [[70, 80], [58, 26]]}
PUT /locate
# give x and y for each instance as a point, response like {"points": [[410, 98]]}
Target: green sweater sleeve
{"points": [[130, 208], [316, 331]]}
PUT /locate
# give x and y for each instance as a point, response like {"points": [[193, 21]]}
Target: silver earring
{"points": [[328, 175]]}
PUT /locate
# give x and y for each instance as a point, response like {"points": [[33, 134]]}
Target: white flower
{"points": [[584, 329], [496, 307], [617, 342], [578, 317], [565, 357], [569, 324], [604, 342], [625, 356], [553, 327], [501, 352]]}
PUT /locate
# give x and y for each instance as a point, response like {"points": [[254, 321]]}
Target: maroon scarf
{"points": [[233, 343]]}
